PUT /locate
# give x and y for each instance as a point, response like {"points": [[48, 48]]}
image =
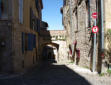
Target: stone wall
{"points": [[63, 52], [107, 27], [6, 60], [80, 28], [107, 20]]}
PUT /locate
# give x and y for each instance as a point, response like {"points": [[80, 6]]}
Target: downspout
{"points": [[102, 26], [102, 31], [101, 35]]}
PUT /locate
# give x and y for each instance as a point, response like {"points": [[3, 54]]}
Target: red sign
{"points": [[94, 15], [95, 29]]}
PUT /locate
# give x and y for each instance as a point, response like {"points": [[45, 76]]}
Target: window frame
{"points": [[3, 9], [21, 11]]}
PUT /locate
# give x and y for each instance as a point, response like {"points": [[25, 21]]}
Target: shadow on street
{"points": [[48, 73]]}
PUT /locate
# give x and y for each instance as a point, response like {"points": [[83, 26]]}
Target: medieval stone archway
{"points": [[49, 51]]}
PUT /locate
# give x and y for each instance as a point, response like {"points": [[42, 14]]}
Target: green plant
{"points": [[109, 32], [71, 62], [101, 74], [86, 67], [109, 71]]}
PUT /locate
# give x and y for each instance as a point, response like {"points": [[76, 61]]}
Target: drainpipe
{"points": [[94, 51], [102, 27], [101, 35], [102, 30]]}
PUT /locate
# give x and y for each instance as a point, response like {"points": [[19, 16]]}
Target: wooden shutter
{"points": [[23, 42], [30, 42], [34, 41]]}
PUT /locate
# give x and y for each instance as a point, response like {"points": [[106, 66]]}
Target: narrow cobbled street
{"points": [[55, 42], [51, 74]]}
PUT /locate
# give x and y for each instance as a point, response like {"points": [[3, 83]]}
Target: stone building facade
{"points": [[19, 28], [107, 26], [78, 22]]}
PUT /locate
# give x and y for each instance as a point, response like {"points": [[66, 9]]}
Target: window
{"points": [[24, 42], [38, 25], [31, 41], [3, 9], [88, 19], [37, 4], [28, 42], [31, 19], [21, 11], [38, 8], [34, 41]]}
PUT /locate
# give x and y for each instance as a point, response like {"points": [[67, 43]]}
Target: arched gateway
{"points": [[53, 45], [50, 51]]}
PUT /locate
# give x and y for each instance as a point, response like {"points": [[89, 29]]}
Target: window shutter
{"points": [[23, 42], [38, 25], [31, 18], [30, 42], [37, 4], [34, 41]]}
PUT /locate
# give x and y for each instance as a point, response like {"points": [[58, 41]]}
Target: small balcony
{"points": [[43, 25]]}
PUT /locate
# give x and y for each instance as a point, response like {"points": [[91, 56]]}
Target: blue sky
{"points": [[51, 14]]}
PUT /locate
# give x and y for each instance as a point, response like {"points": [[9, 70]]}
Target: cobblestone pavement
{"points": [[54, 74]]}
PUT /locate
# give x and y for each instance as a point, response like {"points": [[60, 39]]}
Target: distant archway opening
{"points": [[50, 52]]}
